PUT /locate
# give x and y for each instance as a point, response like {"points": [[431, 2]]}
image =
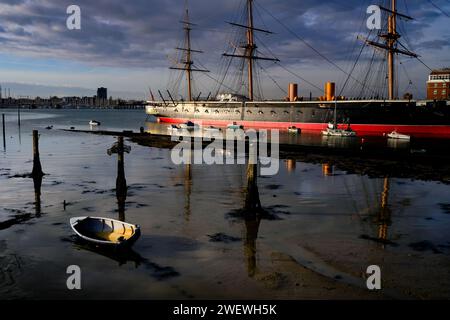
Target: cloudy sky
{"points": [[127, 46]]}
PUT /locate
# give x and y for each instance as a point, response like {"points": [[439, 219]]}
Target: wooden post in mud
{"points": [[252, 201], [252, 214], [18, 116], [37, 168], [121, 182], [4, 131]]}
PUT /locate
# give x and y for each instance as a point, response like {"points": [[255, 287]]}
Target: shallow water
{"points": [[194, 244]]}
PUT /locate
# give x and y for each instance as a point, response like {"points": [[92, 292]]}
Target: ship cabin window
{"points": [[237, 111], [435, 92]]}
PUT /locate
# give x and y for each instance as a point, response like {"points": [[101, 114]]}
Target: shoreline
{"points": [[374, 162]]}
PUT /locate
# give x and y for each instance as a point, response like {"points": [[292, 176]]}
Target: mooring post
{"points": [[252, 217], [4, 131], [252, 201], [121, 182], [37, 168], [18, 115]]}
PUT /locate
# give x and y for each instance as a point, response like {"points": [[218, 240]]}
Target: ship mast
{"points": [[187, 62], [390, 45], [390, 41], [250, 47]]}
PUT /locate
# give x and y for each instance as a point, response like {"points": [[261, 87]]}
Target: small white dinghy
{"points": [[396, 135], [333, 131], [173, 127], [94, 123], [234, 126], [189, 126], [105, 231], [294, 129], [212, 129]]}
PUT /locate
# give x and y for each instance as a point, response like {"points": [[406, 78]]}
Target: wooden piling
{"points": [[18, 116], [37, 168], [121, 182], [4, 131]]}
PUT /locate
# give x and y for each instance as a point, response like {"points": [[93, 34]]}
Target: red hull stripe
{"points": [[442, 131]]}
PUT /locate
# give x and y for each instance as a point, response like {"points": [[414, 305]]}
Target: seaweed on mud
{"points": [[95, 191], [221, 237], [378, 240], [273, 186], [238, 214], [275, 209], [425, 245], [18, 217], [445, 207], [20, 175]]}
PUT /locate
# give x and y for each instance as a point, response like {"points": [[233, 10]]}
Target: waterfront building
{"points": [[438, 85]]}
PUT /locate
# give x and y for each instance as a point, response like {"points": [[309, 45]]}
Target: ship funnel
{"points": [[330, 88], [293, 92]]}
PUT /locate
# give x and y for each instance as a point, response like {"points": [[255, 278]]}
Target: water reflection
{"points": [[383, 218], [327, 170], [187, 191], [290, 165], [37, 181]]}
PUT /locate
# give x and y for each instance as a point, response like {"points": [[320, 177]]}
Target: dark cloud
{"points": [[142, 33]]}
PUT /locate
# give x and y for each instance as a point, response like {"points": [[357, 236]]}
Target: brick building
{"points": [[438, 85]]}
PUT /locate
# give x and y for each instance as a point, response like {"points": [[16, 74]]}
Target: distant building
{"points": [[102, 93], [438, 85]]}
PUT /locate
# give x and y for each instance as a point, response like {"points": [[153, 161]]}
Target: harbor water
{"points": [[321, 229]]}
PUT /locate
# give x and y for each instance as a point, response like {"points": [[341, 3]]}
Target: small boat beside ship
{"points": [[333, 131], [189, 125], [398, 136], [105, 231], [212, 129], [234, 126], [294, 130], [94, 123]]}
